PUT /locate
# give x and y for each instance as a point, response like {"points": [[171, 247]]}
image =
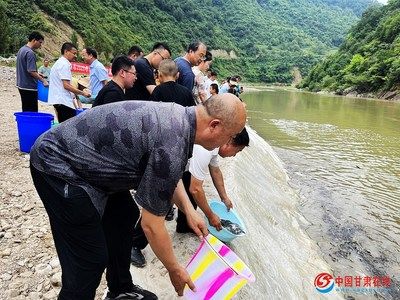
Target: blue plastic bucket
{"points": [[221, 211], [30, 126], [43, 91]]}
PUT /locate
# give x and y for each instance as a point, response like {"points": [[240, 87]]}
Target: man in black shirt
{"points": [[124, 77], [145, 67], [169, 90], [135, 52]]}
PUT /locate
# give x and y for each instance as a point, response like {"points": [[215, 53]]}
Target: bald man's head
{"points": [[219, 119], [228, 108]]}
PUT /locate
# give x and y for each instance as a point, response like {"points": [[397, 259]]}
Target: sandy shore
{"points": [[29, 267]]}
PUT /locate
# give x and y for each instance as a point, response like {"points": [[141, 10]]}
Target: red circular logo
{"points": [[323, 280]]}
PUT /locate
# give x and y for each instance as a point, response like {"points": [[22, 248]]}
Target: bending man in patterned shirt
{"points": [[114, 148]]}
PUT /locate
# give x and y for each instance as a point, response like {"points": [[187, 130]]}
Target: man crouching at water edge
{"points": [[113, 148]]}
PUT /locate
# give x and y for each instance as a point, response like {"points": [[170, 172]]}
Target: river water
{"points": [[324, 198]]}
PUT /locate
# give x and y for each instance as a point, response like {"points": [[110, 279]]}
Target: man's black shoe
{"points": [[170, 215], [137, 293], [137, 258]]}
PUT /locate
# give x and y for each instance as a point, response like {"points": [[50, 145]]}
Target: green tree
{"points": [[5, 29], [368, 60], [74, 38], [269, 38]]}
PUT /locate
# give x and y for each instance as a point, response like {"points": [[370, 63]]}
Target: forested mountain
{"points": [[266, 38], [369, 59], [358, 7]]}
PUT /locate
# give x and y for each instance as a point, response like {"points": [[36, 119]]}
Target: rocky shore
{"points": [[351, 93], [29, 267]]}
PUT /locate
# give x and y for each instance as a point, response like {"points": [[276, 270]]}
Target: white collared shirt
{"points": [[200, 161], [60, 71]]}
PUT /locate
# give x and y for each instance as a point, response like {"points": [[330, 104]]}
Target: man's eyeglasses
{"points": [[134, 73]]}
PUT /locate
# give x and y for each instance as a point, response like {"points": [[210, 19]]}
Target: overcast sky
{"points": [[383, 1]]}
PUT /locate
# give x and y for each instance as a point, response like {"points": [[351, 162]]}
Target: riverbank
{"points": [[29, 266], [351, 93], [387, 96]]}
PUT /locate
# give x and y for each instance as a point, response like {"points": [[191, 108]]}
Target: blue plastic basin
{"points": [[224, 235]]}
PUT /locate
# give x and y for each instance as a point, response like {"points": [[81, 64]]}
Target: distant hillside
{"points": [[369, 59], [267, 38]]}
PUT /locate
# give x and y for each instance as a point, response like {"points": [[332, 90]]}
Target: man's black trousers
{"points": [[29, 100], [86, 244]]}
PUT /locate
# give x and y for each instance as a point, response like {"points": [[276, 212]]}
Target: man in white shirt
{"points": [[196, 172], [61, 92]]}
